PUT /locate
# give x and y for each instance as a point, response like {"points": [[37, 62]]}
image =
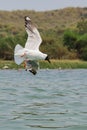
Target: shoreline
{"points": [[55, 64]]}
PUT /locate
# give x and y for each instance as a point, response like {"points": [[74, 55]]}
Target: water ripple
{"points": [[53, 99]]}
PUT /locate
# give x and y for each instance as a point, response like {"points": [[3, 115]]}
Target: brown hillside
{"points": [[54, 19]]}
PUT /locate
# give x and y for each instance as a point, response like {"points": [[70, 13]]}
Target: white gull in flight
{"points": [[30, 54]]}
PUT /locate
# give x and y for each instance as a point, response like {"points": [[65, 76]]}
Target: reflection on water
{"points": [[53, 99]]}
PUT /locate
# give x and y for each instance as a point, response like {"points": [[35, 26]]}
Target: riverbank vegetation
{"points": [[64, 33], [55, 64]]}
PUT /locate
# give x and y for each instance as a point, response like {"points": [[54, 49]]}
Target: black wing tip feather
{"points": [[27, 18]]}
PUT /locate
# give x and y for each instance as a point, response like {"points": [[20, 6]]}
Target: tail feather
{"points": [[17, 48], [17, 58]]}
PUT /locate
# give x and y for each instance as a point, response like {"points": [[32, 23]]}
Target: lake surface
{"points": [[51, 100]]}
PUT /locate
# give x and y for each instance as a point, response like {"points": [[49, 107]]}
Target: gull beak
{"points": [[47, 58]]}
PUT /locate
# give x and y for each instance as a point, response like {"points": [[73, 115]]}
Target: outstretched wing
{"points": [[34, 39]]}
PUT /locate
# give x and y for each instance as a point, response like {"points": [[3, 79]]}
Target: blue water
{"points": [[51, 100]]}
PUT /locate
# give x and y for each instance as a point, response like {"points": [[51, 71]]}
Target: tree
{"points": [[81, 46], [70, 39]]}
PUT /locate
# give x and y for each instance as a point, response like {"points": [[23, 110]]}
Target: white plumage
{"points": [[30, 53]]}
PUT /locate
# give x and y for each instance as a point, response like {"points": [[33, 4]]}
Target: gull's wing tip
{"points": [[27, 18]]}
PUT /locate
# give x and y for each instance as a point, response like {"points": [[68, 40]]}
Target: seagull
{"points": [[30, 54]]}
